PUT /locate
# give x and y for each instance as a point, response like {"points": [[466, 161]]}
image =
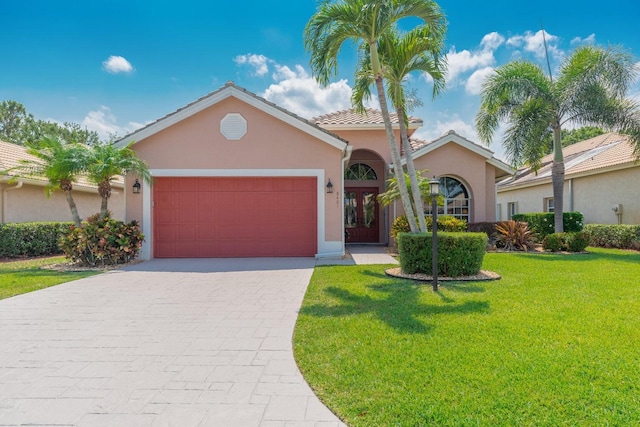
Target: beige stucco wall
{"points": [[196, 143], [30, 204], [593, 195]]}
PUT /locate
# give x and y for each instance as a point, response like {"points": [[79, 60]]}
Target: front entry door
{"points": [[361, 215]]}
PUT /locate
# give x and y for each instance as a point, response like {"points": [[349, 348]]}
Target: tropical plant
{"points": [[589, 89], [102, 241], [59, 163], [392, 192], [107, 162], [514, 236], [365, 21], [421, 50]]}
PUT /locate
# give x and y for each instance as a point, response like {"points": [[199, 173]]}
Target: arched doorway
{"points": [[363, 218]]}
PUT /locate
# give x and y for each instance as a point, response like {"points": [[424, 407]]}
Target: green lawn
{"points": [[19, 277], [555, 342]]}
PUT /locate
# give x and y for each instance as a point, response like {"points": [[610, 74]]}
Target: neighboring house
{"points": [[602, 181], [25, 200], [237, 176]]}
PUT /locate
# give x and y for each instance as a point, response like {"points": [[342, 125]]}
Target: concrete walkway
{"points": [[362, 254], [183, 343]]}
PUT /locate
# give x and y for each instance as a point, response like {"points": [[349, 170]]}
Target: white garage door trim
{"points": [[325, 248]]}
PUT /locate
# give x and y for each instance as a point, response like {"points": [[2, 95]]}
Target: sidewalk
{"points": [[362, 255]]}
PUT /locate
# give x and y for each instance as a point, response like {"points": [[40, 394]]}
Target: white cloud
{"points": [[117, 64], [432, 131], [474, 83], [471, 60], [464, 61], [260, 63], [534, 43], [492, 41], [105, 123], [303, 96], [591, 39]]}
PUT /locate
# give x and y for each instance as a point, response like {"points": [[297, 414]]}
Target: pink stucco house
{"points": [[237, 176]]}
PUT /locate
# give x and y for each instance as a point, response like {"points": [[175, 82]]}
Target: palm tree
{"points": [[107, 162], [59, 163], [392, 193], [365, 21], [418, 50], [589, 90]]}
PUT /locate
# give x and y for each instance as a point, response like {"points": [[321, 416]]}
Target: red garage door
{"points": [[234, 217]]}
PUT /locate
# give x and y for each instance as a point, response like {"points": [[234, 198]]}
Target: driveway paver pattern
{"points": [[198, 342]]}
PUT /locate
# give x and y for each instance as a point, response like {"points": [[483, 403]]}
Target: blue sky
{"points": [[113, 66]]}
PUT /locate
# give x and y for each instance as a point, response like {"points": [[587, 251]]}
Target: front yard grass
{"points": [[19, 277], [553, 343]]}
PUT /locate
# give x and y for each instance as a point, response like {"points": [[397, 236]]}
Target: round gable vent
{"points": [[233, 126]]}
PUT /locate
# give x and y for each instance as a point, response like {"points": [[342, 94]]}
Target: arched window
{"points": [[360, 172], [457, 202]]}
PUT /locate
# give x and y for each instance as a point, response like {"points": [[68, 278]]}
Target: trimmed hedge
{"points": [[489, 228], [543, 223], [459, 254], [621, 236], [31, 238], [445, 223], [570, 242]]}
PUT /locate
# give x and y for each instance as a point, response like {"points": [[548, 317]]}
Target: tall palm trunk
{"points": [[67, 186], [411, 170], [557, 179], [395, 158], [104, 188]]}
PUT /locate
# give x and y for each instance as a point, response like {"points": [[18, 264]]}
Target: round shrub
{"points": [[578, 241], [459, 254], [102, 242], [554, 242]]}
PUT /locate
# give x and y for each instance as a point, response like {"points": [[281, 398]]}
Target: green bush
{"points": [[577, 241], [543, 223], [489, 228], [31, 238], [101, 242], [554, 242], [570, 242], [459, 254], [445, 223], [621, 236]]}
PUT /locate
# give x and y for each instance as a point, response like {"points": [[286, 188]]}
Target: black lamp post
{"points": [[434, 187]]}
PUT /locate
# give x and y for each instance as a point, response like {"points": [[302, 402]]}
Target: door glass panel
{"points": [[368, 209], [350, 209]]}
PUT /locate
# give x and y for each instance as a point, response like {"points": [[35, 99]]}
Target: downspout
{"points": [[571, 195], [4, 199], [346, 157]]}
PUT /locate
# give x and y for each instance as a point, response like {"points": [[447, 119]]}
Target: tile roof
{"points": [[601, 152], [11, 154], [352, 117]]}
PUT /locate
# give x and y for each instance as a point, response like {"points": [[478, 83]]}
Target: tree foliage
{"points": [[590, 89], [20, 127], [364, 23]]}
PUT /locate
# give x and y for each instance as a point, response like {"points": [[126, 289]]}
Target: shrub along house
{"points": [[601, 176], [24, 200], [237, 176]]}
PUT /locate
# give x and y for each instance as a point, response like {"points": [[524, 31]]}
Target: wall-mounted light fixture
{"points": [[329, 187], [136, 187]]}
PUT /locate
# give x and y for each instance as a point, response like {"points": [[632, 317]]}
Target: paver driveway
{"points": [[164, 343]]}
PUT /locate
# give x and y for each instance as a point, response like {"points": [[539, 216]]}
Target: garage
{"points": [[217, 217]]}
